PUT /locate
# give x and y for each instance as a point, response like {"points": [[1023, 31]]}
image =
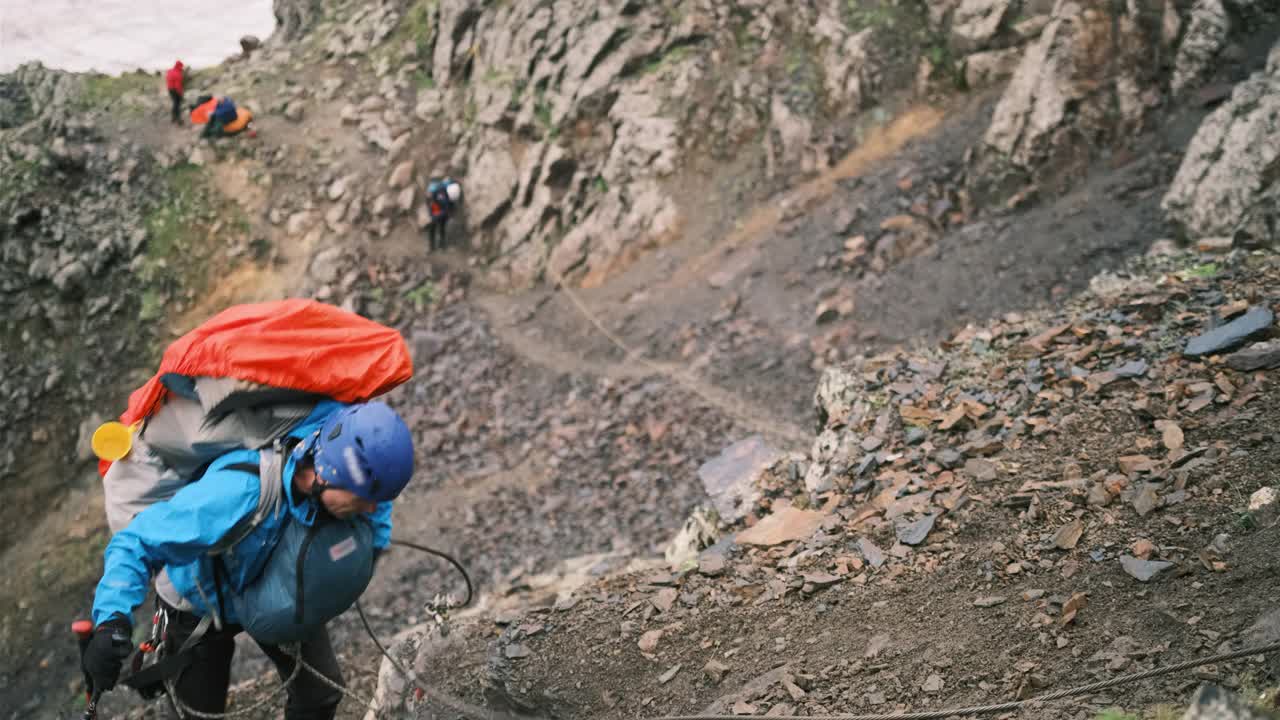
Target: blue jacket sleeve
{"points": [[381, 525], [174, 532]]}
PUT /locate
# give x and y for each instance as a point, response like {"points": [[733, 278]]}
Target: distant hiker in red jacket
{"points": [[173, 79]]}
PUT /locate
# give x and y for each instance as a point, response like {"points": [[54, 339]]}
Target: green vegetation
{"points": [[673, 56], [860, 15], [747, 42], [1246, 521], [417, 26], [542, 114], [422, 296], [174, 260], [100, 91], [499, 76], [152, 305], [1201, 271], [167, 224]]}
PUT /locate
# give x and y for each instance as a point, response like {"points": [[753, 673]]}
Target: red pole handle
{"points": [[83, 628]]}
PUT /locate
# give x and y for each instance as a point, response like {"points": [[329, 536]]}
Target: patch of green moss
{"points": [[859, 15], [185, 200], [671, 57], [417, 26], [542, 114], [178, 245], [422, 296], [1201, 271], [100, 91]]}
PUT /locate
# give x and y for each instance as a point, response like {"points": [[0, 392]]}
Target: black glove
{"points": [[106, 652]]}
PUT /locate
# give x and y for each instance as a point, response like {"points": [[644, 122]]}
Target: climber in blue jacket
{"points": [[349, 461]]}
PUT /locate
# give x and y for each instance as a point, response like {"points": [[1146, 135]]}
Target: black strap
{"points": [[299, 597], [152, 677], [219, 568], [219, 574]]}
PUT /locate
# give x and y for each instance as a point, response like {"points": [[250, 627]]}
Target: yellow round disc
{"points": [[112, 440]]}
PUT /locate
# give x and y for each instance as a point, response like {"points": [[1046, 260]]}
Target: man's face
{"points": [[340, 503], [344, 503]]}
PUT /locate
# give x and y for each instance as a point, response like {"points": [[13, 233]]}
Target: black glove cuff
{"points": [[119, 626]]}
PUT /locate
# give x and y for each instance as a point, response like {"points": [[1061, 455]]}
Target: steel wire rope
{"points": [[1015, 704], [682, 377]]}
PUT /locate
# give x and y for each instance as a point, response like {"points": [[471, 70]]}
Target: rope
{"points": [[454, 703], [452, 561], [681, 376], [183, 709], [1013, 705], [336, 686]]}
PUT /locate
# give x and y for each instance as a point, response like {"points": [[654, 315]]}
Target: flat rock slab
{"points": [[1143, 570], [731, 479], [1254, 322], [784, 525], [1258, 356], [914, 533]]}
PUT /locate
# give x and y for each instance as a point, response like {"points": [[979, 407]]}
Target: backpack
{"points": [[225, 111], [243, 380], [314, 574]]}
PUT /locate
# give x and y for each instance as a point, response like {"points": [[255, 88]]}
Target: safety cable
{"points": [[445, 556], [184, 710], [369, 629], [454, 703], [1015, 704]]}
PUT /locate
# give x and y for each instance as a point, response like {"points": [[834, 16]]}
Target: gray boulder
{"points": [[295, 17], [732, 478], [976, 22], [1254, 323], [1207, 30], [1215, 703], [1227, 182], [1082, 82]]}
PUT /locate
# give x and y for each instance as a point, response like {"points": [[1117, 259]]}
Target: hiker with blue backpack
{"points": [[443, 197], [224, 114], [275, 501]]}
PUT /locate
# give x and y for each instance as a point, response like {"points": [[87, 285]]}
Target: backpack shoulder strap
{"points": [[270, 472]]}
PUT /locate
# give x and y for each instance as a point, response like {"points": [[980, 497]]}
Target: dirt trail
{"points": [[880, 144], [634, 364]]}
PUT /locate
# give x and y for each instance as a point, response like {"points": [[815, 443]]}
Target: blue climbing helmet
{"points": [[365, 448]]}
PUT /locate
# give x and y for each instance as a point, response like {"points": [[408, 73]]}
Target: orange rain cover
{"points": [[297, 343], [200, 115]]}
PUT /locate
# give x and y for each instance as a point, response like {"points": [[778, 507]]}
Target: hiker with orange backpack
{"points": [[275, 476]]}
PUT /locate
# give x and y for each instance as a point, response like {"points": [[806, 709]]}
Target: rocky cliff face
{"points": [[93, 249], [574, 121], [1229, 182], [294, 17], [578, 128], [1090, 77]]}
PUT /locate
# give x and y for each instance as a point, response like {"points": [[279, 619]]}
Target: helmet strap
{"points": [[317, 489]]}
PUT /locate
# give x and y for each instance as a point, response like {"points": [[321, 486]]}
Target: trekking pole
{"points": [[84, 632]]}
